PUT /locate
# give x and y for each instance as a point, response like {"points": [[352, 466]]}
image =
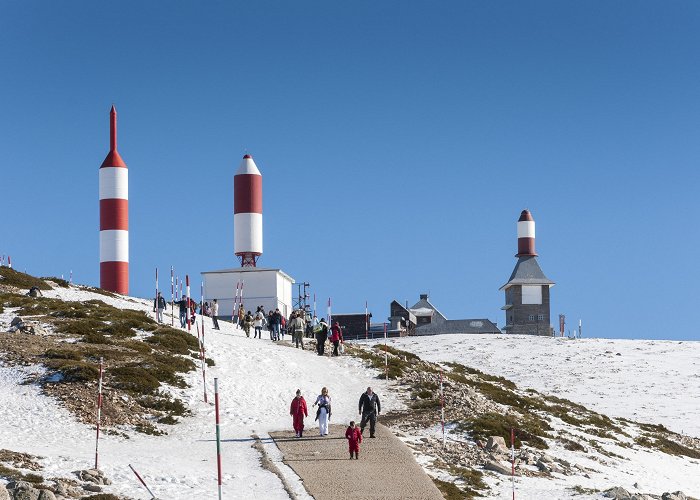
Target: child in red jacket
{"points": [[298, 411], [354, 437]]}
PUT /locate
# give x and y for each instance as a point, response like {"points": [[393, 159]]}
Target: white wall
{"points": [[532, 294], [268, 288]]}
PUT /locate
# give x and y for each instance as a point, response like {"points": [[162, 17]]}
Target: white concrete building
{"points": [[270, 288]]}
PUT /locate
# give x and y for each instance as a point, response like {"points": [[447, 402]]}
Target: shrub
{"points": [[62, 354], [134, 378], [59, 281], [74, 371], [527, 428], [165, 404]]}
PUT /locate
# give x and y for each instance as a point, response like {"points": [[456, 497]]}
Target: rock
{"points": [[22, 490], [640, 496], [676, 495], [46, 495], [4, 494], [498, 467], [496, 444], [617, 493], [544, 467], [546, 458], [92, 487]]}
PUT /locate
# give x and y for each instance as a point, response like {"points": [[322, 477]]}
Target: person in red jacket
{"points": [[336, 337], [298, 411], [354, 437]]}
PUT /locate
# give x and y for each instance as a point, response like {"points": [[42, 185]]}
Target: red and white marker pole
{"points": [[99, 415], [202, 357], [9, 262], [329, 315], [172, 296], [142, 482], [442, 410], [386, 357], [189, 318], [512, 458], [156, 300], [241, 298], [218, 434]]}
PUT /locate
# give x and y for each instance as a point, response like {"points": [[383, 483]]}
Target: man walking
{"points": [[159, 306], [215, 313], [369, 409]]}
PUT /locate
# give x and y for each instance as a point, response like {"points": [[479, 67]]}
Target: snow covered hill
{"points": [[650, 381]]}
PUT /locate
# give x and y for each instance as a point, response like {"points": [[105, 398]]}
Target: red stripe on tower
{"points": [[247, 212], [526, 235], [114, 217]]}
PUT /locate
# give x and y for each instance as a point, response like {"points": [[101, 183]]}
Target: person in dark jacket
{"points": [[159, 306], [369, 409], [321, 337], [182, 304]]}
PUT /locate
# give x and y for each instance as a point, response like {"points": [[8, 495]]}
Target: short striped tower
{"points": [[114, 217], [527, 289], [247, 213]]}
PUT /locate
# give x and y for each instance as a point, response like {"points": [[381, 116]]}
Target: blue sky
{"points": [[398, 141]]}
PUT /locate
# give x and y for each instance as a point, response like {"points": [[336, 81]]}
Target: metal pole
{"points": [[366, 321], [218, 434], [156, 308], [142, 482], [99, 414]]}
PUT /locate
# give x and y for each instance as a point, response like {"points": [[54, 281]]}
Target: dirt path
{"points": [[386, 468]]}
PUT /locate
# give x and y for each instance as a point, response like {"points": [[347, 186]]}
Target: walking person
{"points": [[323, 414], [158, 306], [336, 337], [182, 305], [247, 322], [298, 411], [297, 326], [275, 323], [215, 314], [369, 409], [321, 337], [354, 437], [258, 323], [241, 315]]}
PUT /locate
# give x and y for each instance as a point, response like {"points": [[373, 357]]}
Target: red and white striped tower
{"points": [[526, 235], [114, 217], [247, 213]]}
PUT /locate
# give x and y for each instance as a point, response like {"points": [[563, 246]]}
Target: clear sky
{"points": [[398, 142]]}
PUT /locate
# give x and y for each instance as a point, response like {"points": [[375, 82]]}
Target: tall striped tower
{"points": [[247, 213], [114, 217]]}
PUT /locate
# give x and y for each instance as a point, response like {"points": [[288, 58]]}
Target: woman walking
{"points": [[336, 337], [298, 411], [323, 414]]}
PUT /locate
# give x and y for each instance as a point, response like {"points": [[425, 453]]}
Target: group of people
{"points": [[369, 408]]}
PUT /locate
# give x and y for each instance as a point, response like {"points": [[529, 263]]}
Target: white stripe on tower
{"points": [[114, 217]]}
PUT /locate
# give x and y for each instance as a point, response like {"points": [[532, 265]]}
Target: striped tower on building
{"points": [[527, 289], [247, 213], [114, 217]]}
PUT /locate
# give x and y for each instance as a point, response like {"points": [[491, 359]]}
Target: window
{"points": [[540, 317], [531, 317], [532, 294]]}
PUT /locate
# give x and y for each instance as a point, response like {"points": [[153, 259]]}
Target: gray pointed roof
{"points": [[527, 272]]}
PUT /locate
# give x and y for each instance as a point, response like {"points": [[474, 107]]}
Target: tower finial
{"points": [[526, 235], [113, 129]]}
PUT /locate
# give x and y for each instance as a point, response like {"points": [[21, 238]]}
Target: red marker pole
{"points": [[142, 482], [9, 262], [172, 296], [234, 313], [512, 457], [218, 434], [99, 415], [189, 318], [442, 409]]}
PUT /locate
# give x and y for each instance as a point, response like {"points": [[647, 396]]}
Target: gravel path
{"points": [[386, 468]]}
